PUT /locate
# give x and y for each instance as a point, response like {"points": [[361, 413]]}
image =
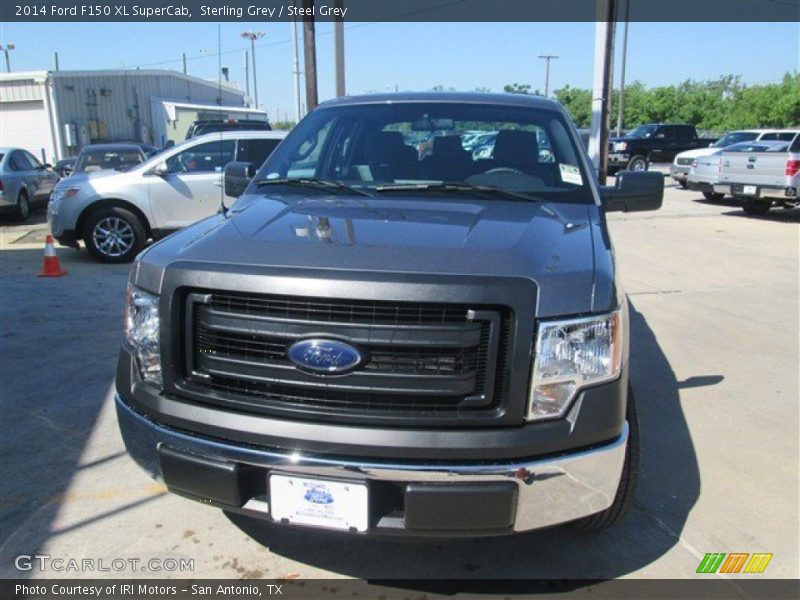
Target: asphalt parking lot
{"points": [[714, 311]]}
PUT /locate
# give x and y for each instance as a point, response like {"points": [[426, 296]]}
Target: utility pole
{"points": [[621, 114], [247, 76], [298, 113], [603, 79], [253, 36], [338, 49], [547, 58], [55, 61], [310, 51], [183, 59], [6, 49]]}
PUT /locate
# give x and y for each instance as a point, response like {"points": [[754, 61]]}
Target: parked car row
{"points": [[115, 212], [761, 167]]}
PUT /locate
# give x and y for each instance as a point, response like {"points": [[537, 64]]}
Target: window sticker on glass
{"points": [[570, 174]]}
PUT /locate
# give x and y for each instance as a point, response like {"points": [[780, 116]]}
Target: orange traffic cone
{"points": [[51, 267]]}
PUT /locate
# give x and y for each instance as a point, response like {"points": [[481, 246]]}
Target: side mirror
{"points": [[47, 166], [237, 177], [160, 170], [634, 191]]}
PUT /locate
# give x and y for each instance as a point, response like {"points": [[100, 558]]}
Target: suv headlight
{"points": [[142, 326], [572, 354]]}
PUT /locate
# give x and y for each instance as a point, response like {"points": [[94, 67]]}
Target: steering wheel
{"points": [[503, 170]]}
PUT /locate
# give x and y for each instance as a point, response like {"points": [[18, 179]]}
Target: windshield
{"points": [[417, 145], [99, 160], [734, 138], [643, 131]]}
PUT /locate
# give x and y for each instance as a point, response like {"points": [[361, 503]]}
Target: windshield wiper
{"points": [[456, 186], [312, 182]]}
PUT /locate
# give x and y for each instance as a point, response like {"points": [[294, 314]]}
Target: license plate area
{"points": [[748, 190], [329, 503]]}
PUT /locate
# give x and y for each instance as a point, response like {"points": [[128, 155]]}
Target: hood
{"points": [[78, 179], [550, 244], [698, 152]]}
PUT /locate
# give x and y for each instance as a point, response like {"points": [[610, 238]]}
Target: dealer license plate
{"points": [[319, 502], [749, 190]]}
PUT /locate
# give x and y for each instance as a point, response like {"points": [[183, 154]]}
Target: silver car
{"points": [[116, 212], [24, 181]]}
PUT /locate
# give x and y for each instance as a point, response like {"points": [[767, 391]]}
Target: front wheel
{"points": [[23, 209], [683, 184], [713, 196], [756, 206], [638, 163], [114, 235], [627, 481]]}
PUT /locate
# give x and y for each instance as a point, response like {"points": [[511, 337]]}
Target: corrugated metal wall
{"points": [[117, 107], [20, 90]]}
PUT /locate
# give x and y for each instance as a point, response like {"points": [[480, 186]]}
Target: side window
{"points": [[255, 151], [34, 162], [665, 133], [795, 147], [210, 157], [684, 134], [18, 162]]}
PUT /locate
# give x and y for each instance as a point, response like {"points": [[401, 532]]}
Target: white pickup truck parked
{"points": [[760, 174]]}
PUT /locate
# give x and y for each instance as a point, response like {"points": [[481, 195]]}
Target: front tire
{"points": [[627, 481], [713, 196], [683, 184], [638, 163], [756, 206], [23, 210], [114, 235]]}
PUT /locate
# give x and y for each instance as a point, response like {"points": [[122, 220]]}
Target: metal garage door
{"points": [[24, 125]]}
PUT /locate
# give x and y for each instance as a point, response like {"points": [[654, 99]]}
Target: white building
{"points": [[52, 114]]}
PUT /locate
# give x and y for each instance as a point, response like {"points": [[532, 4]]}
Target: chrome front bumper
{"points": [[551, 490]]}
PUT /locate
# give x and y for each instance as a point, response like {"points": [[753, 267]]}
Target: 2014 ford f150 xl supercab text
{"points": [[381, 341]]}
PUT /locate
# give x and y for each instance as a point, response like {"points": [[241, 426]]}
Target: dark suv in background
{"points": [[655, 142], [374, 341]]}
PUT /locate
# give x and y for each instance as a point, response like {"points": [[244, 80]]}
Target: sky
{"points": [[416, 56]]}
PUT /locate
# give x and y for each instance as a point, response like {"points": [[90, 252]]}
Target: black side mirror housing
{"points": [[237, 177], [634, 191]]}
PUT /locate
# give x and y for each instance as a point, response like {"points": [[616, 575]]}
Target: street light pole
{"points": [[338, 51], [253, 36], [5, 49], [621, 113], [547, 58], [298, 113]]}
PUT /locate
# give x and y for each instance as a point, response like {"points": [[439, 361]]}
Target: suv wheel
{"points": [[638, 163], [23, 210], [756, 206], [114, 235], [627, 481]]}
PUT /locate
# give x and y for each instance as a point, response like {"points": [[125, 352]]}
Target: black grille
{"points": [[685, 161], [419, 359]]}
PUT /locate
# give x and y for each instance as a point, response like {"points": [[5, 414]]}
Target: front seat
{"points": [[516, 149], [448, 161], [391, 158]]}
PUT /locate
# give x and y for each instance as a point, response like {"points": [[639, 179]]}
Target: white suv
{"points": [[116, 212]]}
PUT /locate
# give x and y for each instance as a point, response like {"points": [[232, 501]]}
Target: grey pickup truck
{"points": [[376, 342]]}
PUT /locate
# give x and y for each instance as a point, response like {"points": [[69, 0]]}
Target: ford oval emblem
{"points": [[324, 357]]}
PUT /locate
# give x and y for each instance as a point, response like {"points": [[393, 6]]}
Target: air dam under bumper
{"points": [[523, 495]]}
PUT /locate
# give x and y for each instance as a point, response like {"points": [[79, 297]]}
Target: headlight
{"points": [[64, 193], [620, 146], [141, 332], [570, 355]]}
